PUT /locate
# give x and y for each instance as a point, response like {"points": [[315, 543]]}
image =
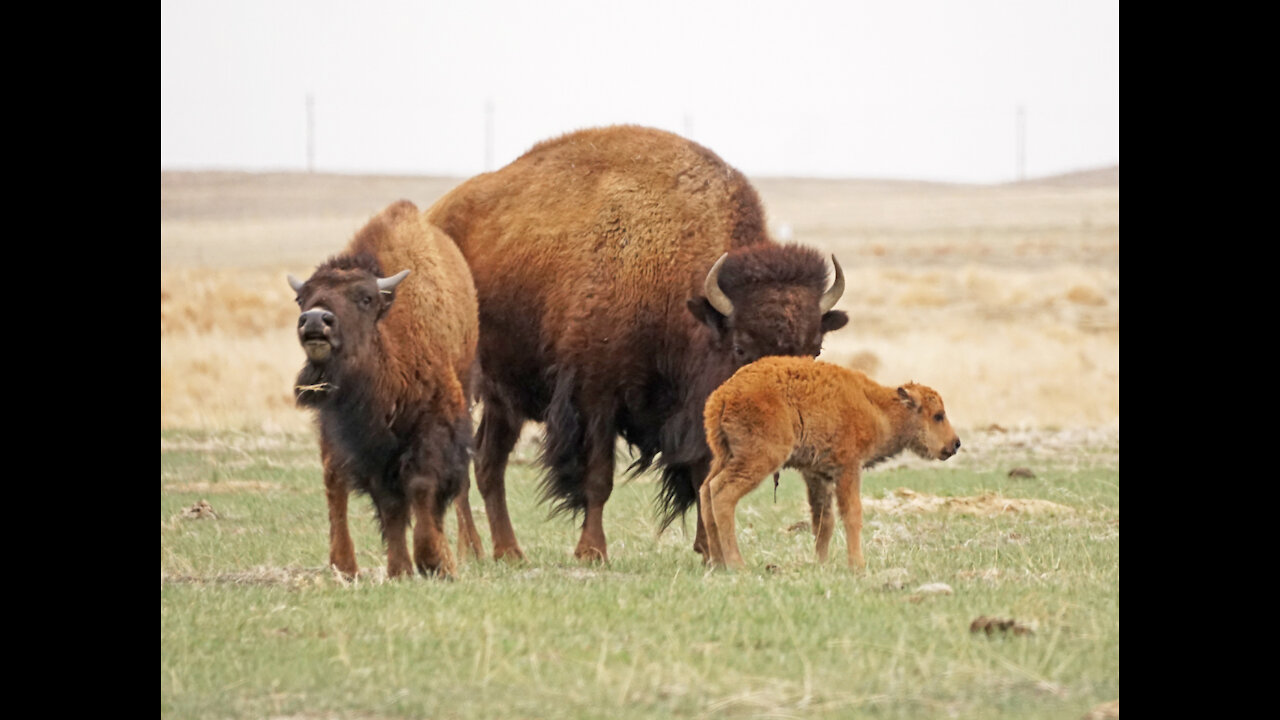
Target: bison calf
{"points": [[826, 421], [389, 328]]}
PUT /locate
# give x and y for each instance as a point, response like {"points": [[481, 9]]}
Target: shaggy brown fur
{"points": [[389, 373], [824, 420], [590, 254]]}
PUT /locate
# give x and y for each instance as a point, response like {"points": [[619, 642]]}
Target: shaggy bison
{"points": [[389, 328], [622, 274], [822, 419]]}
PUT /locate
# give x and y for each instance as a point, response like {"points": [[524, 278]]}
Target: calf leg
{"points": [[499, 430], [714, 554], [342, 552], [849, 497], [821, 511], [698, 475], [723, 494], [430, 546]]}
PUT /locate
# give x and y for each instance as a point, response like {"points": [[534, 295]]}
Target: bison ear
{"points": [[908, 398], [701, 309], [834, 320]]}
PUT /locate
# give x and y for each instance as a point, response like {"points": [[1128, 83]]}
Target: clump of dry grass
{"points": [[905, 500]]}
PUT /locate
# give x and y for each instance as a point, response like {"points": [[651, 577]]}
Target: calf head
{"points": [[770, 300], [341, 305], [932, 436]]}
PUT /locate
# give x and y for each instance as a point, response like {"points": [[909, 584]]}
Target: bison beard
{"points": [[600, 315]]}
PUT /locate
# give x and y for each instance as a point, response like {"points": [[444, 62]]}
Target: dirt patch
{"points": [[200, 511], [223, 486], [906, 500], [992, 626]]}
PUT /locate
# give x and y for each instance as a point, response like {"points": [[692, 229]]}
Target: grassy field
{"points": [[1004, 298], [253, 625]]}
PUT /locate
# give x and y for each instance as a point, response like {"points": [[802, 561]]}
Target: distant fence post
{"points": [[311, 133]]}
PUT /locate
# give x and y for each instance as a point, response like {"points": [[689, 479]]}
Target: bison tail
{"points": [[679, 493], [563, 484]]}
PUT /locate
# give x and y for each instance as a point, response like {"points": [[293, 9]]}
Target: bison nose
{"points": [[956, 446], [315, 322]]}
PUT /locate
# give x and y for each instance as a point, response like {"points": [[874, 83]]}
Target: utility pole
{"points": [[488, 135], [311, 133], [1022, 142]]}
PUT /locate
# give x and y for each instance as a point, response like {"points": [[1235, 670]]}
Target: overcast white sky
{"points": [[923, 89]]}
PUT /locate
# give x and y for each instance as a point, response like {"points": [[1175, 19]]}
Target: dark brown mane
{"points": [[350, 261], [769, 264]]}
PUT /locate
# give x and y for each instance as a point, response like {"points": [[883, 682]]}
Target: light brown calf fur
{"points": [[826, 421]]}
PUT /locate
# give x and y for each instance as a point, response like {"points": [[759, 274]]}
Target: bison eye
{"points": [[938, 417], [366, 300]]}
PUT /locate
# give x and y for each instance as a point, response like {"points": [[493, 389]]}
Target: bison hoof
{"points": [[591, 554], [347, 573], [511, 553]]}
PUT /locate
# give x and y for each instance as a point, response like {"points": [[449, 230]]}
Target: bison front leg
{"points": [[469, 545], [499, 430], [430, 545], [597, 486], [342, 552], [849, 498], [395, 520]]}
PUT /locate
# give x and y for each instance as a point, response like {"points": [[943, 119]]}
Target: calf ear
{"points": [[908, 398], [708, 315], [834, 320]]}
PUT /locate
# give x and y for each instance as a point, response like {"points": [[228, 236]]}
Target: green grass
{"points": [[253, 625]]}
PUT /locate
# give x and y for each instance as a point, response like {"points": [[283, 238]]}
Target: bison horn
{"points": [[386, 285], [711, 287], [295, 283], [831, 296]]}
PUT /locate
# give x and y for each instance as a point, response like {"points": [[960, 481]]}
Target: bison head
{"points": [[770, 300], [934, 439], [341, 305]]}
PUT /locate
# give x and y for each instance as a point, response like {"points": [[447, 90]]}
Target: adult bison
{"points": [[622, 273], [389, 328]]}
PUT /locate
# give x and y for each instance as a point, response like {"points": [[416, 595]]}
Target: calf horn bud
{"points": [[831, 296], [711, 288]]}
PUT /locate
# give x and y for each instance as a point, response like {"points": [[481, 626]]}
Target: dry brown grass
{"points": [[1004, 298]]}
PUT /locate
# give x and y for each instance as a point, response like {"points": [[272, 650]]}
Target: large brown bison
{"points": [[389, 328], [822, 419], [623, 273]]}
